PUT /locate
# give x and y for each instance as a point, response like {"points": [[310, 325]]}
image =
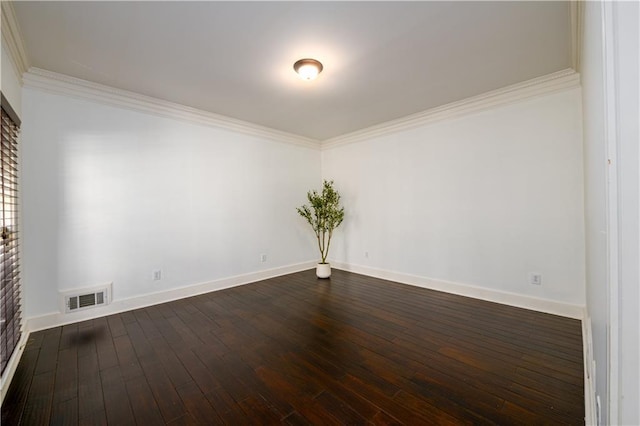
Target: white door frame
{"points": [[611, 142]]}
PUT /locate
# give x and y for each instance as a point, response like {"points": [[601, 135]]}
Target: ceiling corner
{"points": [[576, 13], [12, 38]]}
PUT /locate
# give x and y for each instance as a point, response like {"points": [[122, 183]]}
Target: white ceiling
{"points": [[382, 60]]}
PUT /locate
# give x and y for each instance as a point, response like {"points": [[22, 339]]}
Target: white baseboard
{"points": [[56, 319], [518, 300], [10, 370], [590, 416]]}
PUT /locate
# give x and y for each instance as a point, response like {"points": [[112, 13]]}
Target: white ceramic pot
{"points": [[323, 270]]}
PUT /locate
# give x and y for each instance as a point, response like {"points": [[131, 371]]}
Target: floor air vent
{"points": [[82, 299]]}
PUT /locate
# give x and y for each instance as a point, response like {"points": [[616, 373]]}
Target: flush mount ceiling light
{"points": [[308, 69]]}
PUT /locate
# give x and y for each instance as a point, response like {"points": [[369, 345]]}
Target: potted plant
{"points": [[324, 214]]}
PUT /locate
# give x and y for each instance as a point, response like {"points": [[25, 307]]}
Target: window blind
{"points": [[10, 327]]}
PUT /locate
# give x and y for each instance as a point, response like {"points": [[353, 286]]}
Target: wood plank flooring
{"points": [[298, 350]]}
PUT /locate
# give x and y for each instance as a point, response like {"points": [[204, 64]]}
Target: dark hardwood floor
{"points": [[298, 350]]}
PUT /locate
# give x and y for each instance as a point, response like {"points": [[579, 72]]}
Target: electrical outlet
{"points": [[157, 275], [366, 254], [535, 278], [263, 258]]}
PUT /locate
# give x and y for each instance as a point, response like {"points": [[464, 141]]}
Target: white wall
{"points": [[627, 20], [109, 195], [595, 177], [9, 82], [481, 200], [610, 85]]}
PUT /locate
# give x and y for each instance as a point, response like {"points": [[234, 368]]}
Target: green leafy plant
{"points": [[324, 214]]}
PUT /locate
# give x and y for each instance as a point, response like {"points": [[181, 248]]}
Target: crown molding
{"points": [[557, 81], [576, 13], [12, 38], [66, 85], [63, 84]]}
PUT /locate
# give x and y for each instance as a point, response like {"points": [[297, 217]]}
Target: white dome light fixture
{"points": [[308, 69]]}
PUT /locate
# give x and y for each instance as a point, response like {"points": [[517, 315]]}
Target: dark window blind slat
{"points": [[10, 294], [10, 299]]}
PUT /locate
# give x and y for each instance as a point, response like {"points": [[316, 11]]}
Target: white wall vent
{"points": [[86, 298]]}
